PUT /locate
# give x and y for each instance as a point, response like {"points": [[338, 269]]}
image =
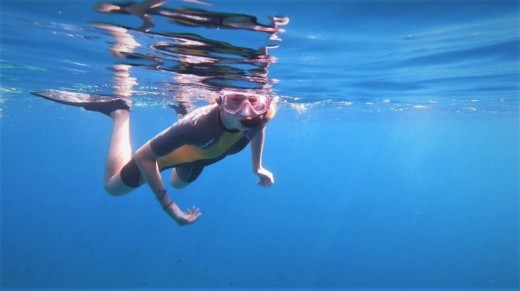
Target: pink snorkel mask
{"points": [[234, 102]]}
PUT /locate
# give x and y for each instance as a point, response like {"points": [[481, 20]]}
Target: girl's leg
{"points": [[183, 176], [119, 153], [176, 181]]}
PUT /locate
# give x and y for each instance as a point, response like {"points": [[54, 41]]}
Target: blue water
{"points": [[395, 152]]}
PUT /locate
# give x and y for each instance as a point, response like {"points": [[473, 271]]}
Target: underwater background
{"points": [[395, 148]]}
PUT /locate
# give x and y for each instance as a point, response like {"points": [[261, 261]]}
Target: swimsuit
{"points": [[197, 140]]}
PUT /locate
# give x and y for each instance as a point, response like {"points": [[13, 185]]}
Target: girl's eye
{"points": [[237, 100]]}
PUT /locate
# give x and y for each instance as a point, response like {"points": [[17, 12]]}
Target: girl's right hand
{"points": [[184, 218]]}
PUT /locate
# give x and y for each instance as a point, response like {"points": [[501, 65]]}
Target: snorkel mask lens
{"points": [[235, 102]]}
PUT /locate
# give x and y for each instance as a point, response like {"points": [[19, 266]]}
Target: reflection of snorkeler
{"points": [[192, 16], [199, 17], [141, 10]]}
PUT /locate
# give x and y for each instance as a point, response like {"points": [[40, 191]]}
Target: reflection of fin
{"points": [[144, 7], [100, 103], [142, 10], [147, 23], [280, 20], [198, 2]]}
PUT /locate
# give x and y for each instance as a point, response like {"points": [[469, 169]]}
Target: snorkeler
{"points": [[203, 137], [199, 138]]}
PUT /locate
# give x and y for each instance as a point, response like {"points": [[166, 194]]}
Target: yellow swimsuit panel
{"points": [[191, 153]]}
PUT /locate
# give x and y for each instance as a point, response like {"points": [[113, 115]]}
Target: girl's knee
{"points": [[176, 181], [113, 191], [115, 187], [183, 176]]}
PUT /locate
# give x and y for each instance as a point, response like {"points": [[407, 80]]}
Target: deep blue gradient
{"points": [[395, 153]]}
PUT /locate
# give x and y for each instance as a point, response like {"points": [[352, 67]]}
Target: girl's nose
{"points": [[245, 111]]}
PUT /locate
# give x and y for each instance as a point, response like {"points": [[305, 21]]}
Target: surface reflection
{"points": [[200, 66]]}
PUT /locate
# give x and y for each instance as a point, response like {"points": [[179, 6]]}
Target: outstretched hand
{"points": [[266, 177], [185, 217]]}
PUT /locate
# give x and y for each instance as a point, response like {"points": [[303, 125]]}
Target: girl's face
{"points": [[243, 110], [242, 120]]}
